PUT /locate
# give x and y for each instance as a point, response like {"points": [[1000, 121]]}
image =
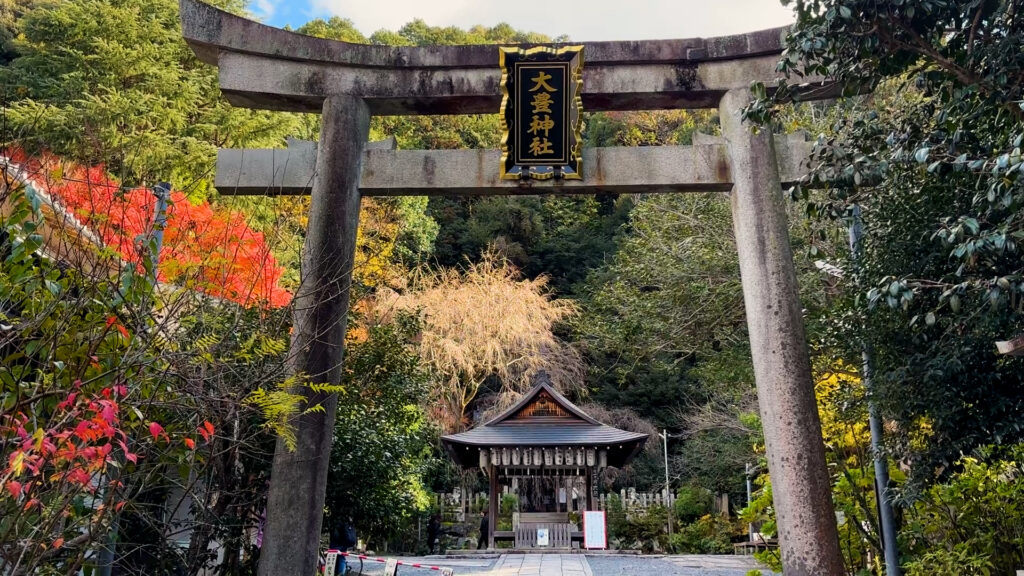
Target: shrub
{"points": [[710, 534], [692, 503], [645, 530], [509, 504], [974, 522], [648, 529], [960, 561]]}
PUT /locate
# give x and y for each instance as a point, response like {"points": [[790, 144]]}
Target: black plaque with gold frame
{"points": [[542, 113]]}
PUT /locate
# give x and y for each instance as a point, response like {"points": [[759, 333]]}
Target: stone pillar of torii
{"points": [[268, 68]]}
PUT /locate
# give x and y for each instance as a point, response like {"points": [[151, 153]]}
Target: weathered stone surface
{"points": [[211, 32], [701, 168], [298, 484], [782, 367], [274, 83], [265, 67]]}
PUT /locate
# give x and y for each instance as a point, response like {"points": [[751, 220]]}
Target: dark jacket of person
{"points": [[343, 535]]}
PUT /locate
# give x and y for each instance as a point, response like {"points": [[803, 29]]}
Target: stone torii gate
{"points": [[264, 67]]}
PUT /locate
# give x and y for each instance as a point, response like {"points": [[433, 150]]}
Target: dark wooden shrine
{"points": [[546, 442]]}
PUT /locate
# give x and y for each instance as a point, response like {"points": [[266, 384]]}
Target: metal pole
{"points": [[668, 490], [885, 513]]}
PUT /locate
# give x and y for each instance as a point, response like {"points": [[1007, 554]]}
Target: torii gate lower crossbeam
{"points": [[351, 82]]}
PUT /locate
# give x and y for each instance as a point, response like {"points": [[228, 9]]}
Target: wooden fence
{"points": [[457, 505]]}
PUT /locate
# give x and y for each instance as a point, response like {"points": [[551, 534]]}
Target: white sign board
{"points": [[447, 571], [595, 530], [542, 537], [331, 562], [391, 568]]}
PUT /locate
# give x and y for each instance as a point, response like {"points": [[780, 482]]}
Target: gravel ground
{"points": [[600, 565], [643, 566], [378, 568]]}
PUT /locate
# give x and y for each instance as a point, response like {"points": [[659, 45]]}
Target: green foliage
{"points": [[934, 161], [509, 504], [761, 509], [692, 503], [770, 558], [640, 339], [121, 88], [280, 405], [636, 531], [418, 33], [961, 560], [648, 128], [709, 534], [663, 329], [972, 524], [10, 11], [170, 369], [381, 439], [616, 515], [648, 529], [334, 28], [562, 237]]}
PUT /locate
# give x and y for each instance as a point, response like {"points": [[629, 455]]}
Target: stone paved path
{"points": [[542, 565]]}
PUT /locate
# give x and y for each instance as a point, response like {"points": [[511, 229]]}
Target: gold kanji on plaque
{"points": [[542, 112]]}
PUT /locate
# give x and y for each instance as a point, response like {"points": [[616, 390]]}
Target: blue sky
{"points": [[580, 19]]}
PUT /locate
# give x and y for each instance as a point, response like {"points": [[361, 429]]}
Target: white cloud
{"points": [[264, 9], [583, 20]]}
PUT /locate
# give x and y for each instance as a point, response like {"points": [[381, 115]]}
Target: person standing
{"points": [[481, 543], [433, 533], [343, 537]]}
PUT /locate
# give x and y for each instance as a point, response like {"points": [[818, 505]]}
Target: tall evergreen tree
{"points": [[112, 82]]}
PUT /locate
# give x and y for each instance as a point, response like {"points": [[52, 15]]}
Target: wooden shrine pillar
{"points": [[492, 507], [295, 503], [789, 414]]}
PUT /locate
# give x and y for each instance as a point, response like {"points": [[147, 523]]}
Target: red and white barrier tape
{"points": [[443, 570]]}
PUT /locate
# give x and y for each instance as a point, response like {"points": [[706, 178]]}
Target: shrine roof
{"points": [[543, 417], [552, 435]]}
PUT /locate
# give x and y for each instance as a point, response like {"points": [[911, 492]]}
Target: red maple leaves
{"points": [[204, 248], [77, 450]]}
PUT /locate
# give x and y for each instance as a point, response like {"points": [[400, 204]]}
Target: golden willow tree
{"points": [[484, 322]]}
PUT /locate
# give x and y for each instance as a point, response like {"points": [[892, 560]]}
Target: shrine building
{"points": [[549, 453]]}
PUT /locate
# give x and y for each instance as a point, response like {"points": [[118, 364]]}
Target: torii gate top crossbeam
{"points": [[270, 68]]}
